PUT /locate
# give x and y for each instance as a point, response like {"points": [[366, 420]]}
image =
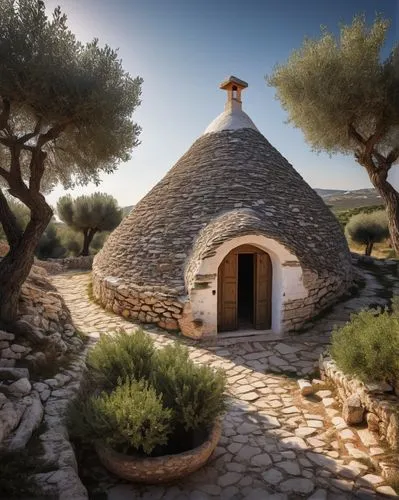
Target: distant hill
{"points": [[325, 193], [339, 199]]}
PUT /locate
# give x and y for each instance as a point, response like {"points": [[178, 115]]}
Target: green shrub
{"points": [[49, 246], [181, 399], [368, 346], [130, 418], [121, 355], [194, 392]]}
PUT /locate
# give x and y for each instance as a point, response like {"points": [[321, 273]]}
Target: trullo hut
{"points": [[232, 238]]}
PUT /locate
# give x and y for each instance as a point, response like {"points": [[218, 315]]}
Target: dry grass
{"points": [[380, 250]]}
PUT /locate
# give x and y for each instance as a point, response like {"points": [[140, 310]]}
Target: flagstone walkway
{"points": [[276, 444]]}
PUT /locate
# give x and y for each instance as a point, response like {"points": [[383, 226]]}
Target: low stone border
{"points": [[379, 401], [57, 393], [56, 266]]}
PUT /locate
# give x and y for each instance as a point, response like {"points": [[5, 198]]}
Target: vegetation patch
{"points": [[344, 216], [16, 480], [129, 418], [368, 345]]}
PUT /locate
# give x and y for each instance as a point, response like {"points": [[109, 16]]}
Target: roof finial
{"points": [[234, 86]]}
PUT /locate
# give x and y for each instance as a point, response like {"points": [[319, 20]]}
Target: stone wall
{"points": [[379, 401], [323, 291], [44, 322], [157, 305], [145, 304], [55, 266], [32, 404]]}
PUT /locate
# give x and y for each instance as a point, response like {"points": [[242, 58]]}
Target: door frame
{"points": [[201, 275], [234, 253]]}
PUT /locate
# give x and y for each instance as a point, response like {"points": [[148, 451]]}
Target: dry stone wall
{"points": [[56, 266], [378, 400], [323, 290], [44, 326], [145, 304], [149, 305], [31, 403]]}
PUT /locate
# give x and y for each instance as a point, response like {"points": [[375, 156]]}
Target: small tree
{"points": [[367, 229], [89, 215], [346, 100], [65, 116]]}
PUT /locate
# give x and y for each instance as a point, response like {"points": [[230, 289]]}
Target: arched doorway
{"points": [[245, 290]]}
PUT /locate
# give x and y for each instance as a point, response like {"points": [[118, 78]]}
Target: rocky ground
{"points": [[276, 443]]}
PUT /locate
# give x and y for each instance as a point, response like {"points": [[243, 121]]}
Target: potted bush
{"points": [[152, 414]]}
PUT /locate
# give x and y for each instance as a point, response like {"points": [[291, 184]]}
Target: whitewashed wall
{"points": [[287, 281]]}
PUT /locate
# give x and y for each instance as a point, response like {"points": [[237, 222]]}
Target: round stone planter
{"points": [[159, 469]]}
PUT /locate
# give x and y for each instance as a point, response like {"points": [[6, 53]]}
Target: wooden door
{"points": [[227, 293], [263, 289]]}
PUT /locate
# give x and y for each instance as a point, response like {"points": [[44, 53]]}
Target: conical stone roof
{"points": [[231, 182]]}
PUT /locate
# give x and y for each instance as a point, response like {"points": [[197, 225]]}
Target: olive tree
{"points": [[89, 215], [345, 99], [367, 229], [65, 117]]}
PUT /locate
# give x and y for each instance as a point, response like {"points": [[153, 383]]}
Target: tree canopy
{"points": [[367, 229], [73, 100], [345, 99], [89, 215], [334, 89], [65, 117]]}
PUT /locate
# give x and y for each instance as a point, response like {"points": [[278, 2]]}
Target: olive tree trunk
{"points": [[391, 200], [16, 265], [88, 235], [369, 248], [85, 248]]}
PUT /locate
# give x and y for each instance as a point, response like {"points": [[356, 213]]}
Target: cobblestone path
{"points": [[276, 444]]}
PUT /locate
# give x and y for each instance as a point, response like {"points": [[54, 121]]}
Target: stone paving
{"points": [[276, 444]]}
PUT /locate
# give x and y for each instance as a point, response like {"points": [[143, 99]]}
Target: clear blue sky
{"points": [[184, 48]]}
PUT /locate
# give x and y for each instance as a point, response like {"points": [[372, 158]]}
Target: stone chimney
{"points": [[234, 86]]}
